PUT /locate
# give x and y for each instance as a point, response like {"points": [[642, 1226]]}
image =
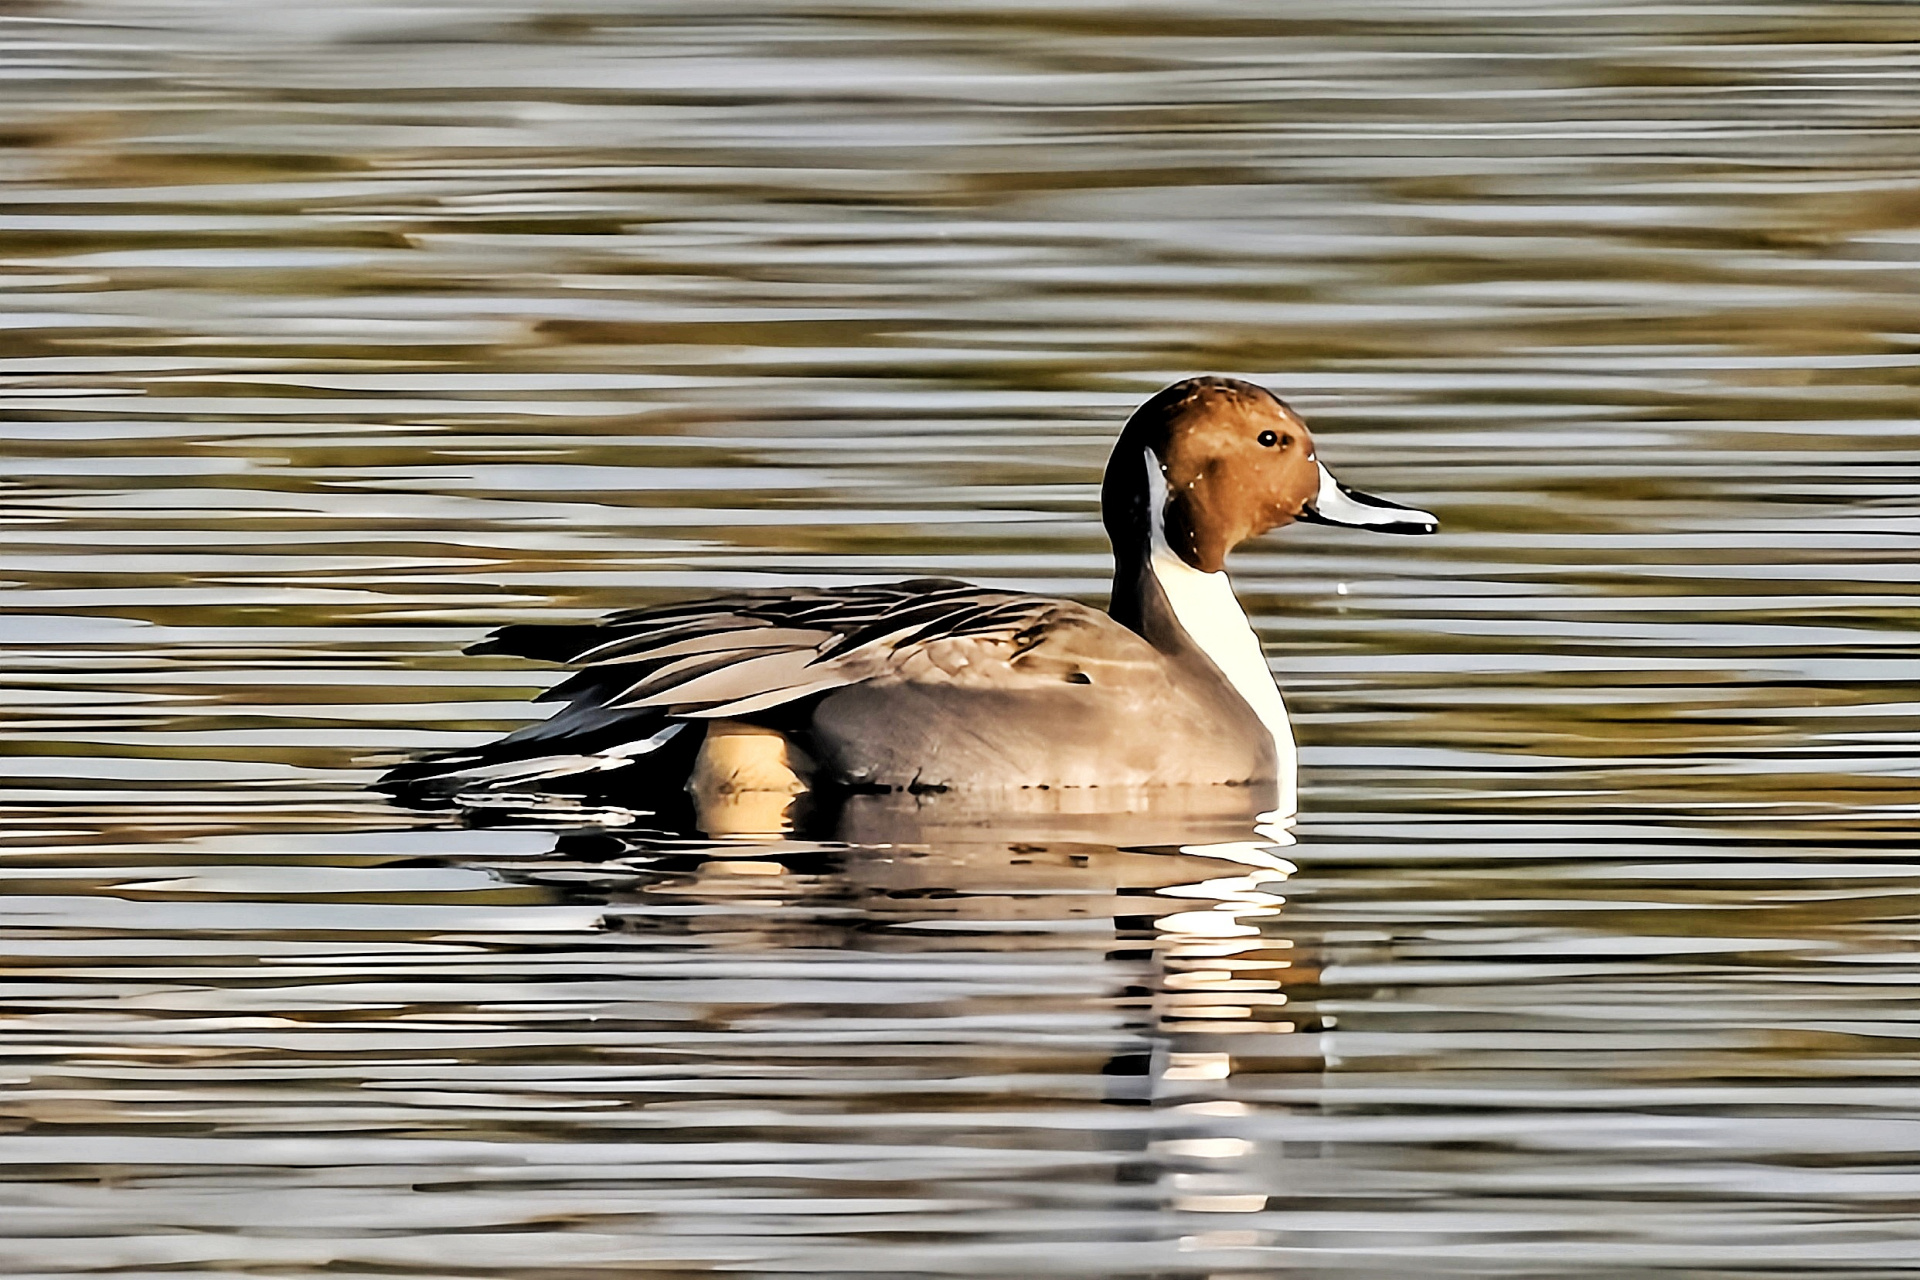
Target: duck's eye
{"points": [[1268, 439]]}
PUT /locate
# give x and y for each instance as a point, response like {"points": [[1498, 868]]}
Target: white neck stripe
{"points": [[1206, 609]]}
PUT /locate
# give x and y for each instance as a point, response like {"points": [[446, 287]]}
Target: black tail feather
{"points": [[603, 764], [542, 641]]}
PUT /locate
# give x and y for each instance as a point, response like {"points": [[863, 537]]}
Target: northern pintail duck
{"points": [[933, 685]]}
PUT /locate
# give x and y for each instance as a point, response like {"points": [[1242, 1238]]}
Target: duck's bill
{"points": [[1337, 504]]}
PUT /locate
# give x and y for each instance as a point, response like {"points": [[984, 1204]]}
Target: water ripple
{"points": [[338, 335]]}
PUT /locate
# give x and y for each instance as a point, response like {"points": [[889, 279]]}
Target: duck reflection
{"points": [[1149, 974], [1127, 817]]}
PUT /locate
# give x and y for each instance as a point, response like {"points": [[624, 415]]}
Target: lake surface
{"points": [[336, 335]]}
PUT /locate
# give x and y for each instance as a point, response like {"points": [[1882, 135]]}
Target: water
{"points": [[338, 335]]}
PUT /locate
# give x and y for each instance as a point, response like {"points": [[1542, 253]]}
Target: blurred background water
{"points": [[338, 334]]}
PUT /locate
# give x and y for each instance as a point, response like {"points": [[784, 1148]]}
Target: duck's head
{"points": [[1232, 462]]}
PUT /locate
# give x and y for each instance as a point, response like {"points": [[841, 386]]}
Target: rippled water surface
{"points": [[338, 334]]}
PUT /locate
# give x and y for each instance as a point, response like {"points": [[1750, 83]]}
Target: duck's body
{"points": [[935, 685]]}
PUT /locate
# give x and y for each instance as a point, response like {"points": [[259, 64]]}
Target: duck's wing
{"points": [[644, 674], [752, 652]]}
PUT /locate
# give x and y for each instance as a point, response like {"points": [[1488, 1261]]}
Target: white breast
{"points": [[1209, 613]]}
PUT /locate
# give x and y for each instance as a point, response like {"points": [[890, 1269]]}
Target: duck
{"points": [[742, 706]]}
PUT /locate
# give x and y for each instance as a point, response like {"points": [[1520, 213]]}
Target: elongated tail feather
{"points": [[645, 766]]}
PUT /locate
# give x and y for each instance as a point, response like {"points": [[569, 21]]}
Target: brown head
{"points": [[1235, 462]]}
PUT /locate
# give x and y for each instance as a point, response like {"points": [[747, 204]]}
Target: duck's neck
{"points": [[1184, 611]]}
